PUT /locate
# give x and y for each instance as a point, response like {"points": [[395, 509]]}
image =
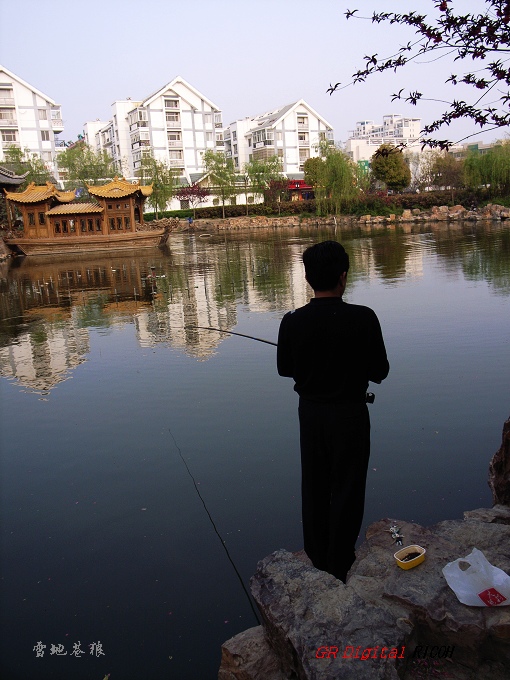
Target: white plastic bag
{"points": [[476, 582]]}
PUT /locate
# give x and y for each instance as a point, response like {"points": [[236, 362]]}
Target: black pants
{"points": [[335, 448]]}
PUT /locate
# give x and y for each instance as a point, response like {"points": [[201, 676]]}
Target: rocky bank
{"points": [[314, 626], [443, 213]]}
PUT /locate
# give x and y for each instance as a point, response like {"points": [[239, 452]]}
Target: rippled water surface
{"points": [[109, 390]]}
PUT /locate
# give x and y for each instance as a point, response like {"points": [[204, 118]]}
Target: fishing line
{"points": [[242, 335], [215, 529]]}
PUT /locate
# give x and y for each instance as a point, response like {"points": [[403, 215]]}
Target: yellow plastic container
{"points": [[403, 552]]}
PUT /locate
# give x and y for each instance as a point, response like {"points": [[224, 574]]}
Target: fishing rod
{"points": [[242, 335], [224, 545], [369, 396]]}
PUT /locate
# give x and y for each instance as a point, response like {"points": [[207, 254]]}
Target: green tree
{"points": [[313, 169], [20, 162], [389, 166], [222, 174], [262, 175], [491, 169], [163, 180], [335, 179], [481, 38], [82, 165]]}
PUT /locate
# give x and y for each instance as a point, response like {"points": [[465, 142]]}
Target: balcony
{"points": [[176, 162], [8, 122], [9, 145], [175, 143], [7, 101], [173, 124], [57, 124]]}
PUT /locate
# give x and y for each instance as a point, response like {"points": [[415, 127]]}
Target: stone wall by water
{"points": [[437, 213]]}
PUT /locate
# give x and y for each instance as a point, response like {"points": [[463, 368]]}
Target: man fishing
{"points": [[332, 349]]}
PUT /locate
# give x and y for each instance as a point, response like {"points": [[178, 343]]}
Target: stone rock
{"points": [[304, 609], [407, 215], [499, 470], [248, 656]]}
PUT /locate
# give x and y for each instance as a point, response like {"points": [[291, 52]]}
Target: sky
{"points": [[246, 56]]}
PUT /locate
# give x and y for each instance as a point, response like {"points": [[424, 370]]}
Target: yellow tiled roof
{"points": [[75, 209], [119, 188], [36, 194]]}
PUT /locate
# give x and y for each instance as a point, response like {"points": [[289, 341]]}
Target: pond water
{"points": [[111, 397]]}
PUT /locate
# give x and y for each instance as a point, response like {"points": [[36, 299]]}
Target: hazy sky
{"points": [[247, 56]]}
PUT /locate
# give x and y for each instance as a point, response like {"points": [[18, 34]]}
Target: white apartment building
{"points": [[395, 129], [291, 132], [29, 120], [177, 123]]}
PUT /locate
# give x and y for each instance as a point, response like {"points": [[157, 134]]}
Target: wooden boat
{"points": [[54, 222]]}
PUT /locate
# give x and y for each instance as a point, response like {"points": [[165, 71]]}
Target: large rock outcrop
{"points": [[307, 613], [499, 470], [408, 624]]}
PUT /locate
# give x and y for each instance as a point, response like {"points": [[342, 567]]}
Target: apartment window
{"points": [[209, 136], [46, 156], [57, 227], [43, 114], [173, 118], [45, 135], [127, 223], [98, 224], [9, 136], [235, 148], [119, 222], [175, 155], [234, 135], [207, 117], [31, 219], [174, 138], [90, 225], [171, 103], [112, 223], [279, 136], [42, 218]]}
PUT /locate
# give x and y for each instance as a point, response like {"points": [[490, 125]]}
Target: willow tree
{"points": [[491, 169], [222, 174], [83, 165], [263, 177], [334, 178], [24, 161], [163, 179]]}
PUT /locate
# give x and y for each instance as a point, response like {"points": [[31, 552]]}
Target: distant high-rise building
{"points": [[395, 129], [29, 120]]}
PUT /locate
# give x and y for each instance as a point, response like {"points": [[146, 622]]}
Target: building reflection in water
{"points": [[48, 308]]}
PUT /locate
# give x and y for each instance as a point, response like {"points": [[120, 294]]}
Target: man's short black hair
{"points": [[324, 264]]}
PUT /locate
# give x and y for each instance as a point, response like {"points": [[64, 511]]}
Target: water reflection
{"points": [[47, 306]]}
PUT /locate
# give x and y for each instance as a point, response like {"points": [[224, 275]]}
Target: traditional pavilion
{"points": [[47, 212]]}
